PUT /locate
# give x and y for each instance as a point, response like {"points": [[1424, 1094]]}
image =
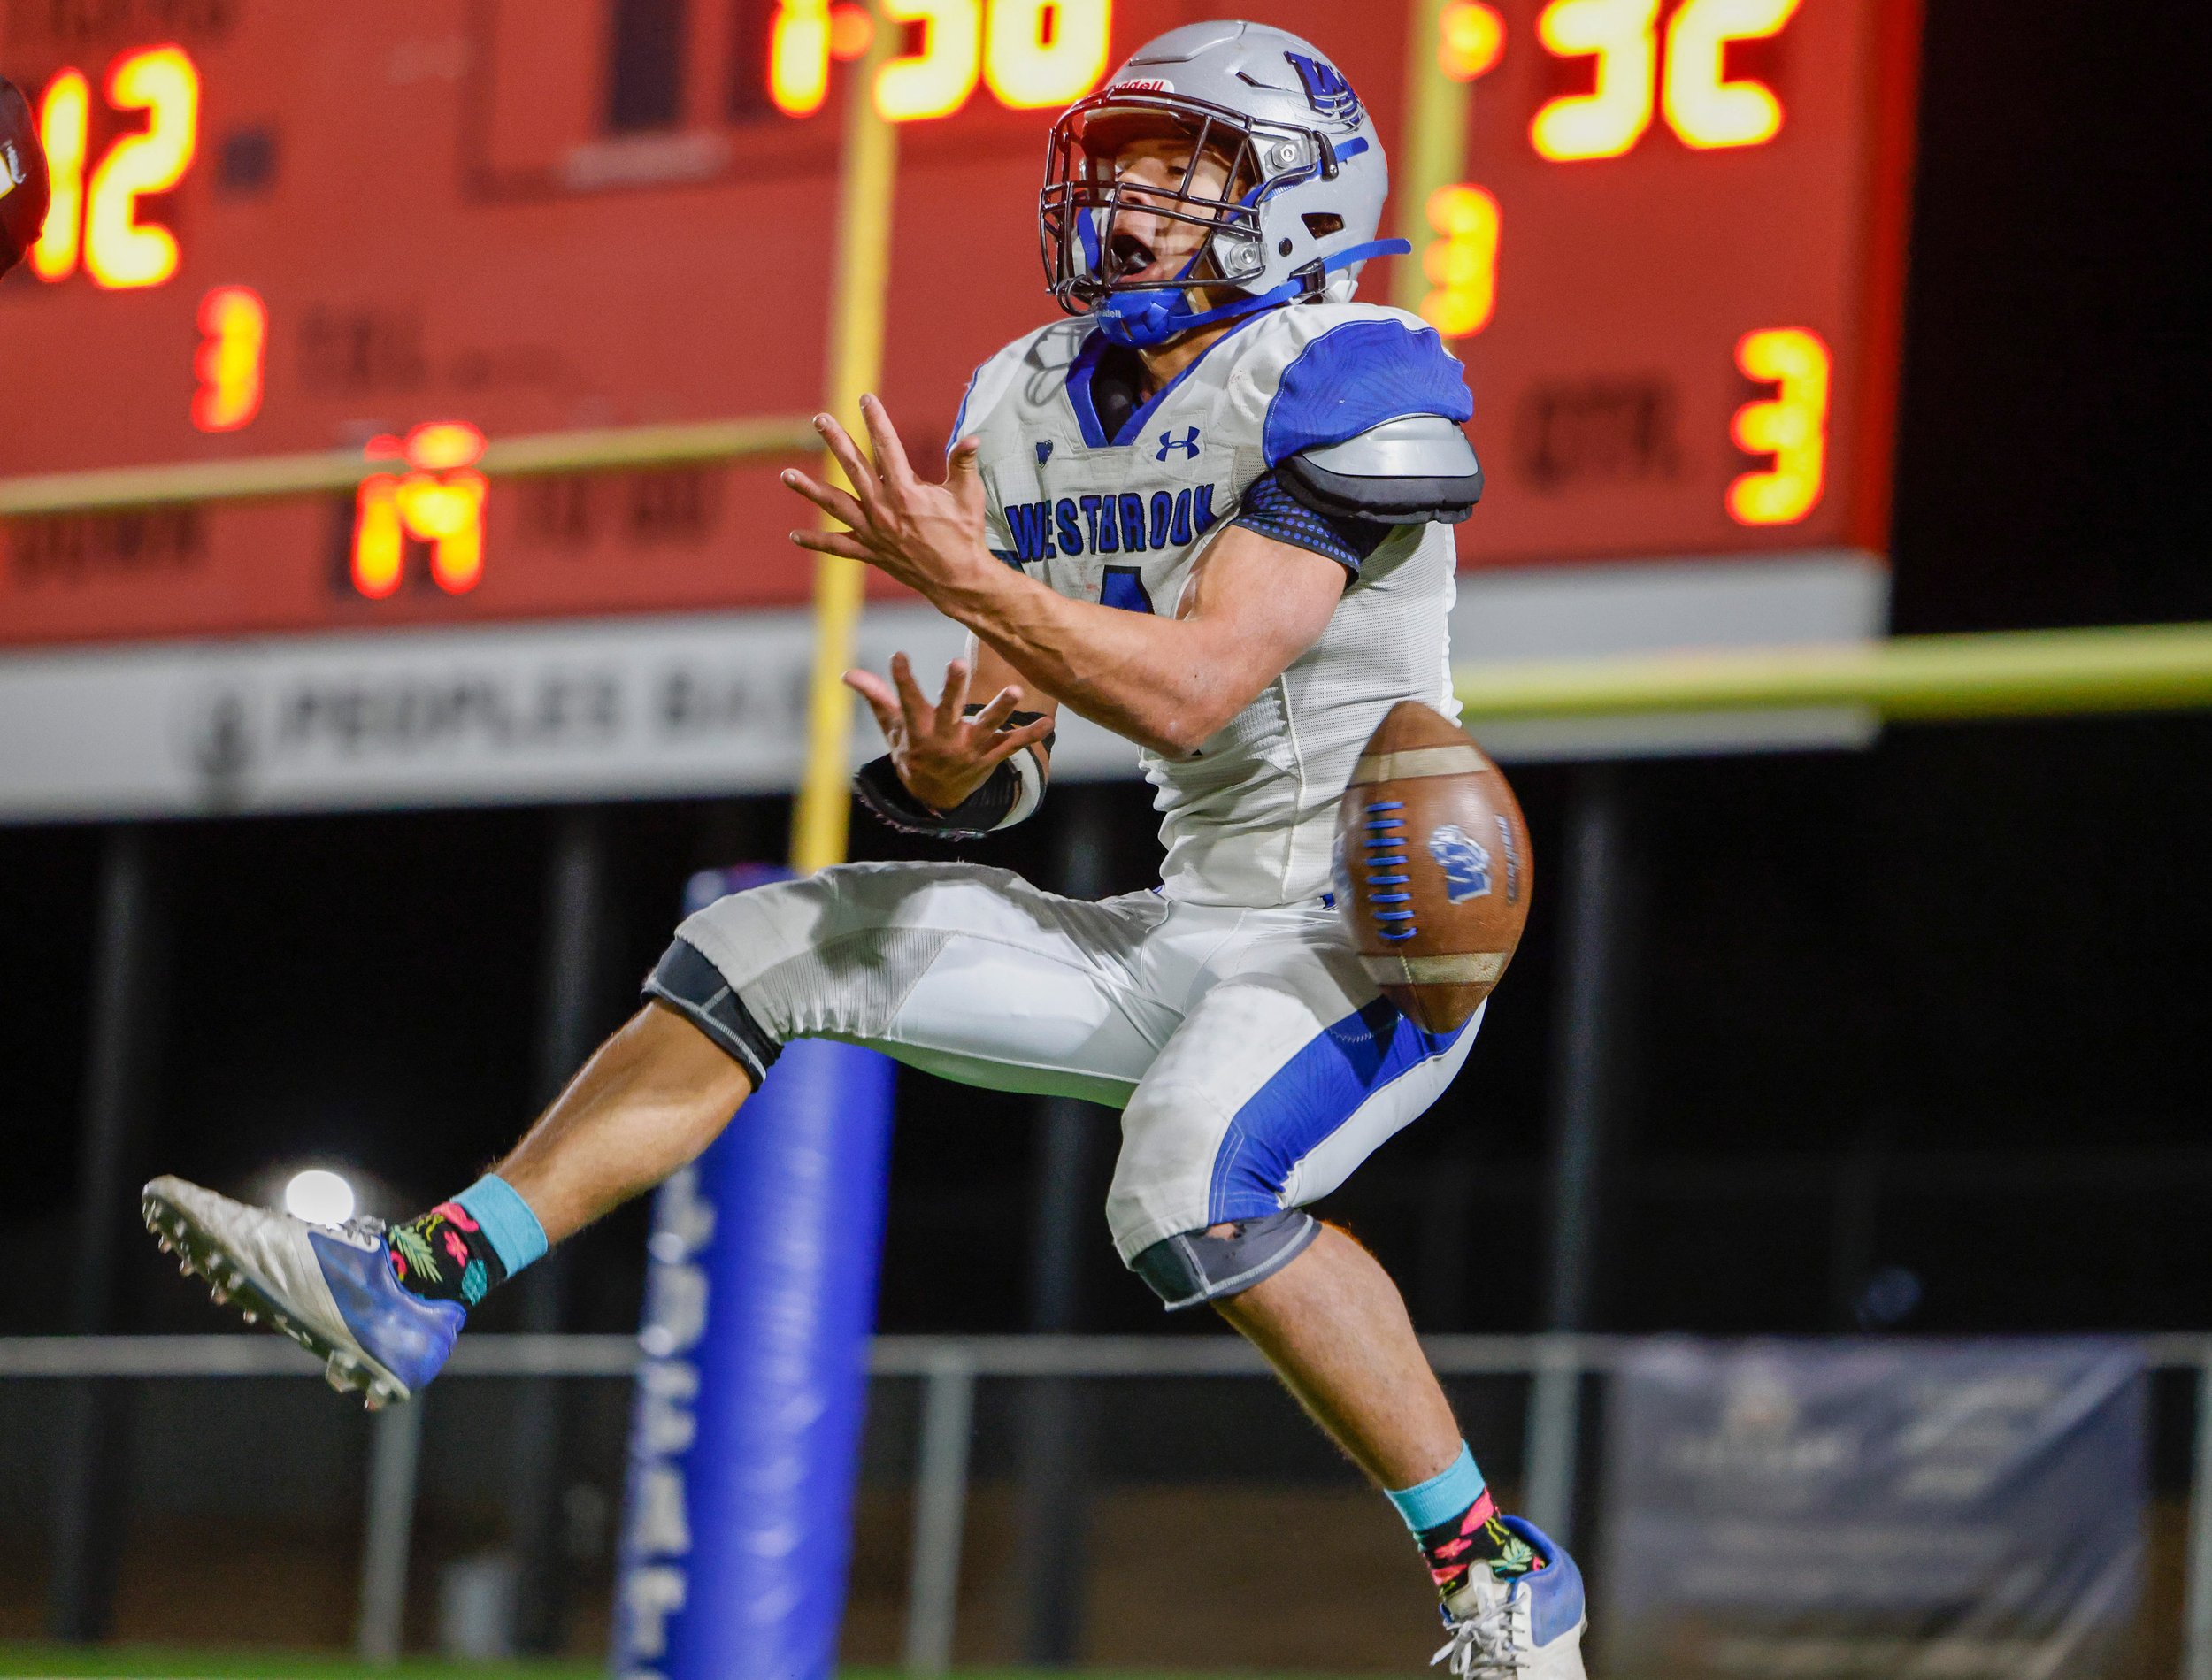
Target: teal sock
{"points": [[1455, 1523], [1446, 1494], [513, 1231], [463, 1249]]}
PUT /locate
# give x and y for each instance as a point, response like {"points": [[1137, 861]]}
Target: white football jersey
{"points": [[1249, 819]]}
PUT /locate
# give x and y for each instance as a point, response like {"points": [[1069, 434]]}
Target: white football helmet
{"points": [[1297, 216]]}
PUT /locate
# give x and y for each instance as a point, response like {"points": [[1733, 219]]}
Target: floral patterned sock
{"points": [[445, 1255], [1475, 1536]]}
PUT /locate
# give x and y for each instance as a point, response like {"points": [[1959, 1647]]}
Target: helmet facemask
{"points": [[1082, 210]]}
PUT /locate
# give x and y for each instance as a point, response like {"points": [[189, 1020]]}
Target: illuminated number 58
{"points": [[1702, 107], [1034, 53]]}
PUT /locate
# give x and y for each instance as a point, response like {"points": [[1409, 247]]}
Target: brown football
{"points": [[1433, 867]]}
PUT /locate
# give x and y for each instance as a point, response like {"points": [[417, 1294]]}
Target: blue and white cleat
{"points": [[330, 1288], [1528, 1627]]}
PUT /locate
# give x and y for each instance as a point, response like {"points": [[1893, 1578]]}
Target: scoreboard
{"points": [[1669, 250]]}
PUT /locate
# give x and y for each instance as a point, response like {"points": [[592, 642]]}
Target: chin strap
{"points": [[1145, 317]]}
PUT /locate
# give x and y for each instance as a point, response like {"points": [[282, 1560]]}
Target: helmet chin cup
{"points": [[1144, 316], [1142, 319]]}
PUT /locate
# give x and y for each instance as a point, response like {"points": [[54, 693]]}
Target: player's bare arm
{"points": [[1166, 683]]}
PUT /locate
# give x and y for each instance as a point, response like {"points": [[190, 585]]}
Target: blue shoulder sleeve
{"points": [[1357, 376]]}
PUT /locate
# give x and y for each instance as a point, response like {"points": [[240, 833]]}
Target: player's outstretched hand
{"points": [[941, 755], [926, 535]]}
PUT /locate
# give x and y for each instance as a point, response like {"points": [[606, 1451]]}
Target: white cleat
{"points": [[1527, 1628], [331, 1289]]}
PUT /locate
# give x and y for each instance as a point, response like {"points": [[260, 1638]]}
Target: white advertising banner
{"points": [[714, 703]]}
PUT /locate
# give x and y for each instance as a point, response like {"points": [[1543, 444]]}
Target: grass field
{"points": [[157, 1662]]}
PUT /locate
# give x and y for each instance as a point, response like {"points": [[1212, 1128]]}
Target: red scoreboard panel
{"points": [[1672, 269]]}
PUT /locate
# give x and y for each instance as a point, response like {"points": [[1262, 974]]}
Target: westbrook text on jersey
{"points": [[1124, 524]]}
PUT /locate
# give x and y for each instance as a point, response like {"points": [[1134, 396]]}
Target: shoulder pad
{"points": [[1404, 472]]}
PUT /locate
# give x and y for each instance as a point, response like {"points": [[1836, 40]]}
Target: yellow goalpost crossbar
{"points": [[1985, 674], [339, 472]]}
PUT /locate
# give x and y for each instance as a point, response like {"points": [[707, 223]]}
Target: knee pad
{"points": [[1194, 1267], [688, 983]]}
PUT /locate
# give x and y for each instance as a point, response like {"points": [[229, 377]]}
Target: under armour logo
{"points": [[1327, 90], [1188, 443]]}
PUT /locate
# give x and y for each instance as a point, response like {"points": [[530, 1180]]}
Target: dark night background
{"points": [[1939, 1006]]}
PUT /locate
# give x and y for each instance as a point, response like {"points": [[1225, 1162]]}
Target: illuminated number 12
{"points": [[98, 225]]}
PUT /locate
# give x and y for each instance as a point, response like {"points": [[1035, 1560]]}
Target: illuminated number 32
{"points": [[97, 224], [1703, 108]]}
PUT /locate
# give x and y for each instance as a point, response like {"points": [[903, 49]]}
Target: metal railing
{"points": [[948, 1368]]}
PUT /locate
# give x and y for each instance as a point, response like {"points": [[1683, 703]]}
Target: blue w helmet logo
{"points": [[1466, 864], [1188, 443], [1327, 90]]}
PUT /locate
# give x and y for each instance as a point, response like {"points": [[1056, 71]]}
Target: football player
{"points": [[1209, 508]]}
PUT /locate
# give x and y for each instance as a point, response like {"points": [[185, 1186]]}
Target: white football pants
{"points": [[1254, 1064]]}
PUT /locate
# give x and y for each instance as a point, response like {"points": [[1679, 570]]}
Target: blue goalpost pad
{"points": [[745, 1431]]}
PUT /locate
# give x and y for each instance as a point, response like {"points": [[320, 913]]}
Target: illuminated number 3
{"points": [[234, 345], [1791, 425], [1703, 108], [1462, 262]]}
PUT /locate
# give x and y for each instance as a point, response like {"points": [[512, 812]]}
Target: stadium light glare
{"points": [[320, 1196]]}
